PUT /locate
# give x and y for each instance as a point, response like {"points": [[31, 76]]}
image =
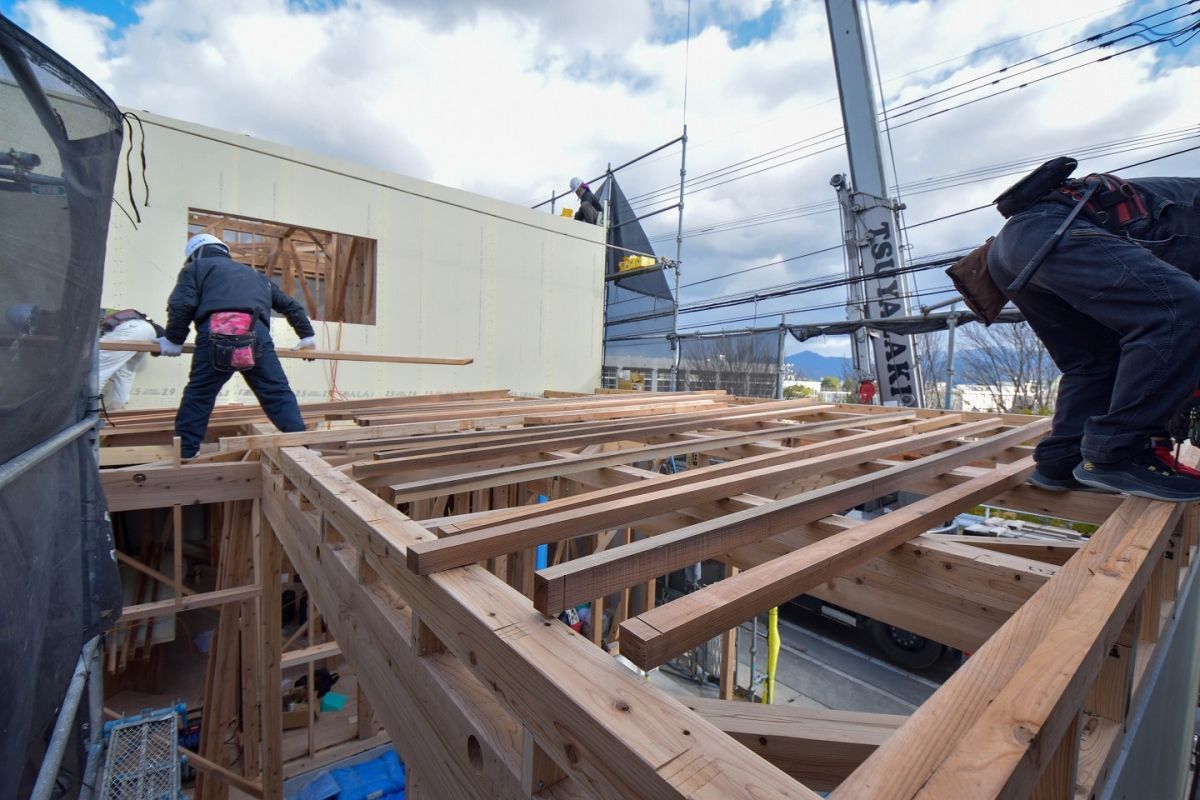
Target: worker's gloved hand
{"points": [[307, 343], [168, 348]]}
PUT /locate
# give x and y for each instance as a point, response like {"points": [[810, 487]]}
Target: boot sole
{"points": [[1150, 493]]}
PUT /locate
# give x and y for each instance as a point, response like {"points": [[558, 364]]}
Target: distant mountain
{"points": [[814, 366]]}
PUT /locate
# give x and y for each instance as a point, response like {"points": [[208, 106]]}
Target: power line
{"points": [[709, 180]]}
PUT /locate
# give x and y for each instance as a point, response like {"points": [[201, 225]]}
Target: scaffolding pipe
{"points": [[948, 400], [48, 773], [678, 259], [20, 464], [95, 727], [611, 170]]}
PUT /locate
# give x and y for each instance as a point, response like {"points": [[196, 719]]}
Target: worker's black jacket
{"points": [[218, 283], [588, 198]]}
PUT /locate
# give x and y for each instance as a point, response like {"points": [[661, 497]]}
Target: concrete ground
{"points": [[823, 664]]}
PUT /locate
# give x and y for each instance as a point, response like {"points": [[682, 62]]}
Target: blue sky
{"points": [[570, 87]]}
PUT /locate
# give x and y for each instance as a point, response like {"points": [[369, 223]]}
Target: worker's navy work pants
{"points": [[266, 379], [1120, 316]]}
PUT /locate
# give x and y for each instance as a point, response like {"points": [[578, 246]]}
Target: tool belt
{"points": [[1114, 205], [118, 318], [979, 292], [232, 341]]}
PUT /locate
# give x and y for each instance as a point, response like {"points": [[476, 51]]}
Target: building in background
{"points": [[384, 263]]}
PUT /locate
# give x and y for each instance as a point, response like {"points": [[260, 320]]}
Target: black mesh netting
{"points": [[60, 138], [638, 308], [746, 364]]}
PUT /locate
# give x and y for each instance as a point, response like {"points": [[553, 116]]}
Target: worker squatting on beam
{"points": [[589, 207], [231, 306], [1105, 271]]}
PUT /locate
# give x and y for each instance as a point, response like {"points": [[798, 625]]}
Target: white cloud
{"points": [[78, 35], [511, 98]]}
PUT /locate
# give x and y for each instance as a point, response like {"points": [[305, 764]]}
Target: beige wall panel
{"points": [[457, 274]]}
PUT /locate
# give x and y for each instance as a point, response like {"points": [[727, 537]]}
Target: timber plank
{"points": [[596, 575], [625, 505], [1041, 700], [158, 487], [699, 616], [901, 766], [604, 726]]}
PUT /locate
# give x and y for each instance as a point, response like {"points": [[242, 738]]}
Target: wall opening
{"points": [[331, 274]]}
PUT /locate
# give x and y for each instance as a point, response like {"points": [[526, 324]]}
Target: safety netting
{"points": [[639, 304], [60, 138], [743, 363]]}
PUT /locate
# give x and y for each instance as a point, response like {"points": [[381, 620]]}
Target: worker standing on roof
{"points": [[589, 207], [231, 306], [1109, 271]]}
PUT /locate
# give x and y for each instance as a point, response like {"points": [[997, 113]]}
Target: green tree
{"points": [[796, 392], [830, 384]]}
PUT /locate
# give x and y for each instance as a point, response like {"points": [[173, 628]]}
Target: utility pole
{"points": [[871, 229]]}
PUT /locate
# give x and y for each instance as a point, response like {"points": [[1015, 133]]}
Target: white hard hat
{"points": [[198, 241], [575, 182]]}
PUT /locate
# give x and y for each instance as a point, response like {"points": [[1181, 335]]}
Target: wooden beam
{"points": [[596, 575], [165, 608], [650, 639], [1004, 750], [160, 487], [628, 504], [575, 699], [307, 355], [905, 763], [818, 747], [307, 655], [502, 476]]}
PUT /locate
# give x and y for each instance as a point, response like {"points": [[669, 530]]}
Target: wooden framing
{"points": [[414, 524], [331, 274]]}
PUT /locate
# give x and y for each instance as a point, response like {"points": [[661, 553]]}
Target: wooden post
{"points": [[1058, 778], [538, 770], [270, 616], [729, 654], [365, 714]]}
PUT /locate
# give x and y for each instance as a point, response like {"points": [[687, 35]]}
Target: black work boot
{"points": [[1147, 474], [1050, 482]]}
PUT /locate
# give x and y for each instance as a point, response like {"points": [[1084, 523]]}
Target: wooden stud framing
{"points": [[486, 697]]}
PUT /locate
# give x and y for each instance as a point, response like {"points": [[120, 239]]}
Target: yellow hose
{"points": [[772, 653]]}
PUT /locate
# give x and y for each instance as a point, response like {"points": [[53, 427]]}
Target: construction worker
{"points": [[589, 207], [1112, 292], [117, 367], [231, 306]]}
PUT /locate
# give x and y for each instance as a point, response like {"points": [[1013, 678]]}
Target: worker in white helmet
{"points": [[589, 207], [231, 307]]}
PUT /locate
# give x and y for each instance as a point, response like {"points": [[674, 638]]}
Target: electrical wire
{"points": [[709, 180]]}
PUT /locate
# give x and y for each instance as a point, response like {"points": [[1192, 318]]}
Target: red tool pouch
{"points": [[231, 335]]}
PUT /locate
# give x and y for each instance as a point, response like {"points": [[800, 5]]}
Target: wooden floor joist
{"points": [[414, 525]]}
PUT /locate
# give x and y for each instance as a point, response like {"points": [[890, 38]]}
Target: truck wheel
{"points": [[905, 648]]}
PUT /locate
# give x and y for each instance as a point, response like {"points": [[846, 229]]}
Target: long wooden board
{"points": [[599, 574], [307, 355], [627, 504], [653, 637]]}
